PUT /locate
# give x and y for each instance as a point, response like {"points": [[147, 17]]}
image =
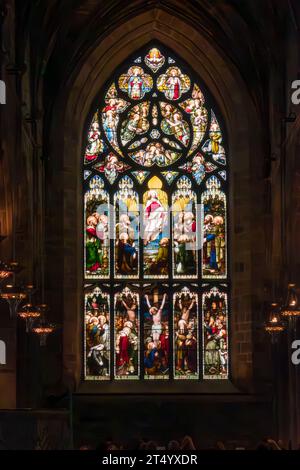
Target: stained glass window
{"points": [[155, 195]]}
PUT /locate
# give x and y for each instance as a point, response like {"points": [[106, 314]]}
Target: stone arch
{"points": [[70, 111]]}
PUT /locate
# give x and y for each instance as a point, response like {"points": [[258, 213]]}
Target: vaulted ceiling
{"points": [[60, 33], [249, 31]]}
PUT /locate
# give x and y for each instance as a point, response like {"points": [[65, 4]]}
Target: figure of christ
{"points": [[182, 334], [154, 218], [156, 318]]}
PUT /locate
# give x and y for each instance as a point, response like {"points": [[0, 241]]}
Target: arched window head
{"points": [[155, 226]]}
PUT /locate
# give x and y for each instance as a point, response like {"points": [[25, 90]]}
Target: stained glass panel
{"points": [[174, 124], [155, 230], [156, 150], [114, 106], [215, 334], [95, 144], [127, 334], [111, 167], [186, 348], [213, 146], [97, 335], [96, 215], [154, 59], [126, 230], [155, 153], [184, 217], [137, 143], [135, 83], [136, 124], [173, 83], [214, 252], [194, 106], [198, 167], [169, 176], [140, 175], [156, 333]]}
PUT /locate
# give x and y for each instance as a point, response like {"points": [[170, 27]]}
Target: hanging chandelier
{"points": [[5, 271], [29, 312], [43, 328], [14, 295], [8, 269], [291, 307], [274, 325]]}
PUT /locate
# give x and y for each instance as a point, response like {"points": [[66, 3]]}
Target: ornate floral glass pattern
{"points": [[155, 230], [155, 181]]}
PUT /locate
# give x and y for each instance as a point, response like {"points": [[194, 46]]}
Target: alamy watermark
{"points": [[2, 92], [296, 354], [146, 223], [295, 98], [2, 353]]}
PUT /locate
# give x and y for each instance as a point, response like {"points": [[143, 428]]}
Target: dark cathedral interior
{"points": [[149, 225]]}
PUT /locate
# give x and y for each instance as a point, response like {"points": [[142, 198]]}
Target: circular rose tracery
{"points": [[156, 119]]}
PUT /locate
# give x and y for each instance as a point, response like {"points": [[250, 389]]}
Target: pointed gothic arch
{"points": [[155, 141]]}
